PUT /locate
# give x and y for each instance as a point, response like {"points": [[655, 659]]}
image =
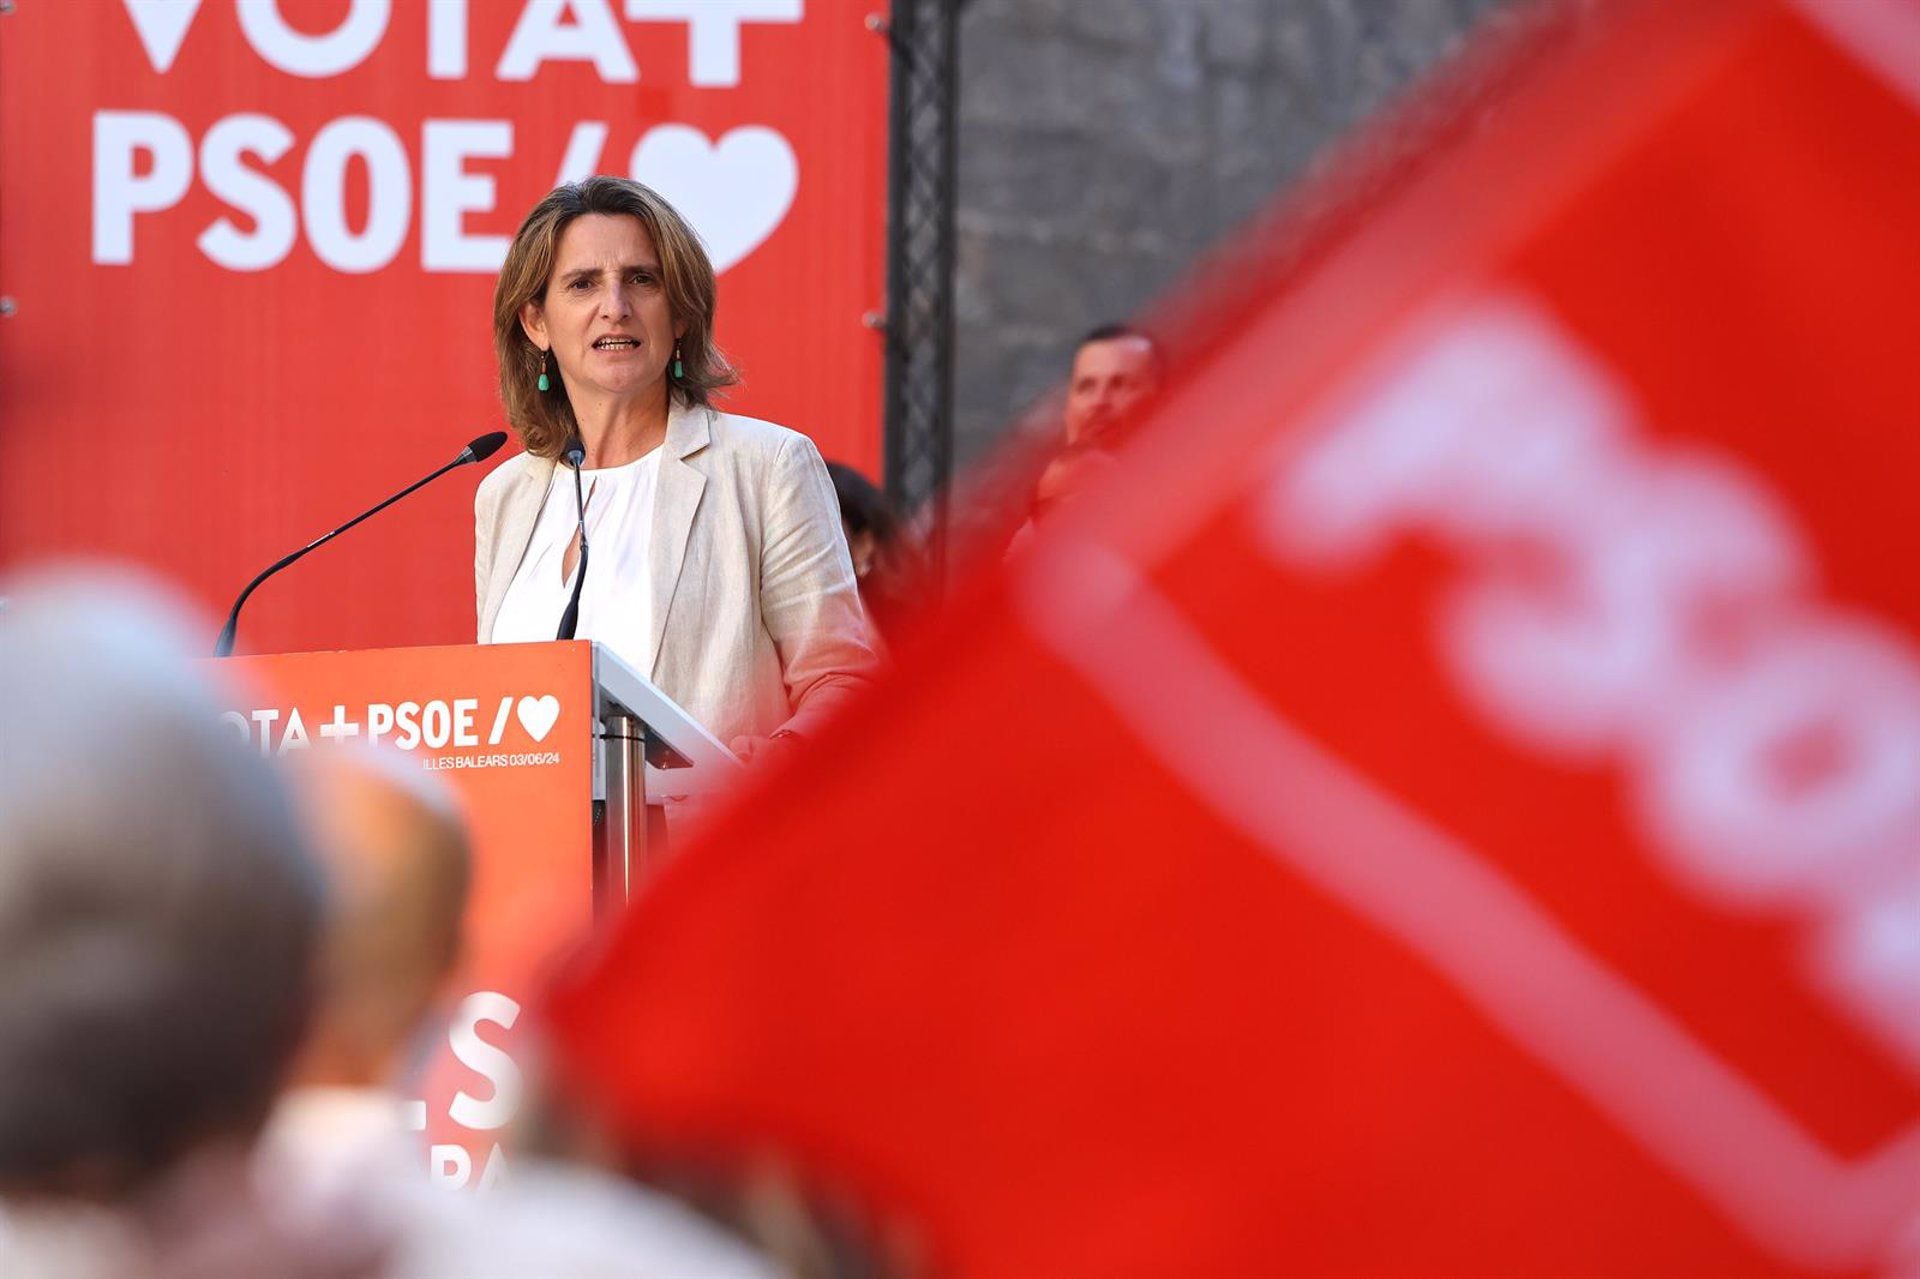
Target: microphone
{"points": [[576, 457], [478, 451]]}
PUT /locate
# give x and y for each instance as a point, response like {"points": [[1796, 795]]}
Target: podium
{"points": [[566, 762]]}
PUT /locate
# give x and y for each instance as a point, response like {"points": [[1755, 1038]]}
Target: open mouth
{"points": [[616, 344]]}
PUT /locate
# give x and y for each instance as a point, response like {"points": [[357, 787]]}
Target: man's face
{"points": [[1109, 378]]}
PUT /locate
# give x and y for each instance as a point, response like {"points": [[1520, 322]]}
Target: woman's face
{"points": [[605, 315]]}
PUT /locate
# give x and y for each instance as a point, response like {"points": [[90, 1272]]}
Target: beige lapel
{"points": [[519, 512], [676, 497]]}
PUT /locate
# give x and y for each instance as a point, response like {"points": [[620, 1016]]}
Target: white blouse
{"points": [[616, 607]]}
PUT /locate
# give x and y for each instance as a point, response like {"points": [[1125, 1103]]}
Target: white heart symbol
{"points": [[735, 193], [537, 715]]}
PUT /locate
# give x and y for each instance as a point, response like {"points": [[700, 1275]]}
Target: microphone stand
{"points": [[474, 452], [570, 619]]}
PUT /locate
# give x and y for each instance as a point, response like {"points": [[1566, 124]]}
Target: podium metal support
{"points": [[649, 753], [620, 836]]}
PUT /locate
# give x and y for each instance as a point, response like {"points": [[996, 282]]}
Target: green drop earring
{"points": [[545, 359], [678, 372]]}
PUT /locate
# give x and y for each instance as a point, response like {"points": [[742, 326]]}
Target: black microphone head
{"points": [[486, 446], [576, 455]]}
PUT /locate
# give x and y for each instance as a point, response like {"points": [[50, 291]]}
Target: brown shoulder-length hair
{"points": [[544, 419]]}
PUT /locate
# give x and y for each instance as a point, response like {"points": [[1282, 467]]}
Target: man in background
{"points": [[1116, 368]]}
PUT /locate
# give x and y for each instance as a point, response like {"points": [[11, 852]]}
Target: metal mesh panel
{"points": [[920, 252]]}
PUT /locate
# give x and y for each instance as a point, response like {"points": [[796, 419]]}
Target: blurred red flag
{"points": [[1449, 804]]}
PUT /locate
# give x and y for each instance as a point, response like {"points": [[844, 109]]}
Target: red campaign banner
{"points": [[1448, 805], [250, 247]]}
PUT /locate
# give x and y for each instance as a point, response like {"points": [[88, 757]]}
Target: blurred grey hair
{"points": [[158, 907]]}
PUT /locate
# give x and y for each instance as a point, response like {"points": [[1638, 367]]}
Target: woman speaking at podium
{"points": [[716, 563]]}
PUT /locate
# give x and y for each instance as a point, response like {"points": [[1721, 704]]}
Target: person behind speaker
{"points": [[717, 565]]}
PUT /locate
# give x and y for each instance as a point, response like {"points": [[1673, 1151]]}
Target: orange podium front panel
{"points": [[509, 727]]}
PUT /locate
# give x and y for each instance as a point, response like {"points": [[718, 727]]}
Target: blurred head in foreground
{"points": [[157, 905], [338, 1151], [396, 855], [1115, 369]]}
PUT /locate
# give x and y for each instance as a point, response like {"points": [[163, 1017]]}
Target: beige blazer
{"points": [[757, 623]]}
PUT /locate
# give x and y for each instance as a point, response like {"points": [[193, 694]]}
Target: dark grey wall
{"points": [[1103, 143]]}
